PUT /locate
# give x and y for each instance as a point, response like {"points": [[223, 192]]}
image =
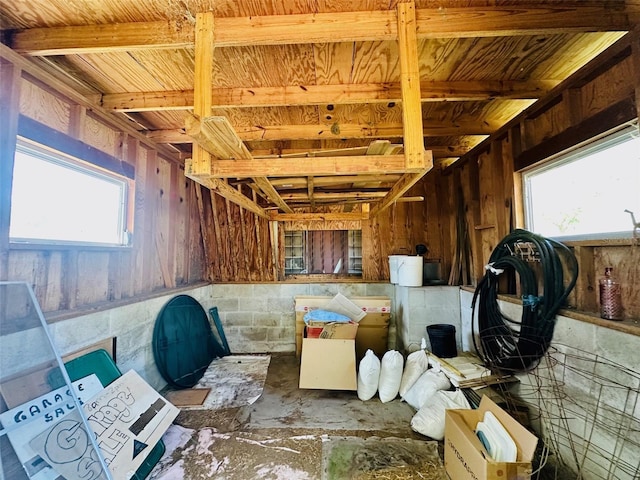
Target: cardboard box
{"points": [[466, 459], [373, 329], [328, 364], [339, 331]]}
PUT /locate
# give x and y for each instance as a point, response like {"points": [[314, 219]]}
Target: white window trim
{"points": [[602, 142], [57, 157]]}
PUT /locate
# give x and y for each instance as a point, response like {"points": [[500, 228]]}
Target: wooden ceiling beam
{"points": [[438, 151], [305, 167], [303, 95], [335, 132], [377, 25], [272, 194], [334, 196], [319, 182], [217, 137], [319, 217], [226, 191]]}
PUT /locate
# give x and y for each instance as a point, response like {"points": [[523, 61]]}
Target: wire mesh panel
{"points": [[588, 410]]}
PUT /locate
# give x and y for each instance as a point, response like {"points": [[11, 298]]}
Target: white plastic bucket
{"points": [[410, 271], [394, 263]]}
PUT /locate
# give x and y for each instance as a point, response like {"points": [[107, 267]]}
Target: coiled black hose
{"points": [[507, 344]]}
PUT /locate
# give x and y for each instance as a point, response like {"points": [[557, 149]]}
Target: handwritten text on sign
{"points": [[128, 418]]}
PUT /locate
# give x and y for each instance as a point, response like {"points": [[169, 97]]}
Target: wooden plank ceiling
{"points": [[309, 106]]}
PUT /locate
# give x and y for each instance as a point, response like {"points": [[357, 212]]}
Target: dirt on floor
{"points": [[295, 434]]}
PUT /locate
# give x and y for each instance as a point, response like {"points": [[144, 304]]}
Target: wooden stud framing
{"points": [[10, 76]]}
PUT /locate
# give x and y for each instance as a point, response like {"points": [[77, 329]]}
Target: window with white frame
{"points": [[59, 199], [590, 192]]}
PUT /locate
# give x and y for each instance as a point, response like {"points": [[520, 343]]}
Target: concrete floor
{"points": [[292, 434]]}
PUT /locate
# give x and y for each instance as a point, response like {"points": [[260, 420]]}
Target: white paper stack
{"points": [[495, 438]]}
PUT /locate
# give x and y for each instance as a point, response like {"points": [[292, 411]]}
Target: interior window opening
{"points": [[323, 252]]}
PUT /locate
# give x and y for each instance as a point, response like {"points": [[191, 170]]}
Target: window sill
{"points": [[60, 315], [67, 247], [607, 242], [324, 278], [629, 326]]}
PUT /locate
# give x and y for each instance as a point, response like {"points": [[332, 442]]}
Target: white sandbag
{"points": [[390, 375], [429, 420], [428, 383], [417, 364], [368, 376]]}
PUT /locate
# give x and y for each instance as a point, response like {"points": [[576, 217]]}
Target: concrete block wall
{"points": [[260, 318], [132, 325], [615, 346], [417, 307], [257, 318]]}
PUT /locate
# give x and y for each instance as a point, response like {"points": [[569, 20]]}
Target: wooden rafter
{"points": [[318, 182], [329, 217], [217, 136], [291, 95], [220, 187], [310, 187], [272, 194], [333, 196], [397, 191], [438, 151], [324, 28], [340, 131]]}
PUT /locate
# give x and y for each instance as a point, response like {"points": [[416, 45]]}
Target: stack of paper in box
{"points": [[465, 370]]}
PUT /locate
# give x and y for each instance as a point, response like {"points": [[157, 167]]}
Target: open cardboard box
{"points": [[337, 331], [372, 330], [466, 459]]}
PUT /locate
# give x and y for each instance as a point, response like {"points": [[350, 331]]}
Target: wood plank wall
{"points": [[167, 249], [604, 97], [397, 230]]}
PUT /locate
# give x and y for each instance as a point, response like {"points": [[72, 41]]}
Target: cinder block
{"points": [[253, 334], [267, 319], [286, 334], [236, 319], [280, 305]]}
